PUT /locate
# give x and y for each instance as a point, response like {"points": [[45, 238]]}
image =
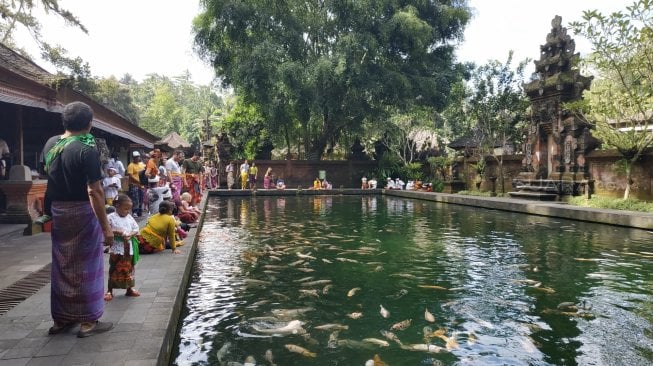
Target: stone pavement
{"points": [[144, 327]]}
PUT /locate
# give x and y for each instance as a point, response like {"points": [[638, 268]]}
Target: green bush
{"points": [[630, 204]]}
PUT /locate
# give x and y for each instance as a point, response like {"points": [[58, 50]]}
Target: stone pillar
{"points": [[24, 198]]}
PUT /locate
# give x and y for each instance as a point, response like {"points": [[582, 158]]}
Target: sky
{"points": [[140, 37]]}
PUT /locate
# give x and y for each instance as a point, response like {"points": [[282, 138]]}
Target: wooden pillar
{"points": [[19, 138]]}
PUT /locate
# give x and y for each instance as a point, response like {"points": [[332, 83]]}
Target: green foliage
{"points": [[317, 70], [482, 194], [414, 171], [17, 14], [629, 204], [497, 104], [620, 103], [438, 185], [246, 128], [389, 166], [439, 165], [115, 95], [176, 104]]}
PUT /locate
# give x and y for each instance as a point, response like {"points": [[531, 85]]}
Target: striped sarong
{"points": [[77, 286]]}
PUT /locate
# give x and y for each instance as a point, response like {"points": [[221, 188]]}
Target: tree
{"points": [[175, 104], [328, 65], [620, 104], [498, 106], [115, 95], [15, 14]]}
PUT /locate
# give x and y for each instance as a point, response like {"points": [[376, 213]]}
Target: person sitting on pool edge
{"points": [[280, 184], [159, 230]]}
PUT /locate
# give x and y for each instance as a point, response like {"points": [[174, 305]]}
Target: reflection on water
{"points": [[308, 280]]}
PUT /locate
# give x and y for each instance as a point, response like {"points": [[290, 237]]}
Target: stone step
{"points": [[534, 196]]}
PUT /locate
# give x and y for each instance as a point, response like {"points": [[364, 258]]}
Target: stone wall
{"points": [[608, 181]]}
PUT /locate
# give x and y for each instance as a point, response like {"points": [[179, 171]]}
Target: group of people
{"points": [[76, 199], [248, 175], [368, 184]]}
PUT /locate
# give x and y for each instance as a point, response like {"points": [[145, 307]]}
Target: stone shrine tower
{"points": [[557, 142]]}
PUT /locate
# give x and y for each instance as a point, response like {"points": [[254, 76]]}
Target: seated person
{"points": [[280, 184], [372, 183], [317, 184], [326, 185], [390, 184], [186, 213], [364, 184], [399, 184], [159, 230], [410, 185]]}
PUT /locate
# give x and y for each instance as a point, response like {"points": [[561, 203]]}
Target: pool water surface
{"points": [[340, 280]]}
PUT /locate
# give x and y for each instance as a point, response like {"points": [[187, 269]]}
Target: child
{"points": [[123, 253], [111, 184]]}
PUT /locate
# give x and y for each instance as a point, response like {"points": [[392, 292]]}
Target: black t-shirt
{"points": [[72, 172]]}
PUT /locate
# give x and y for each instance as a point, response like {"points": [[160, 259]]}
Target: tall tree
{"points": [[328, 65], [495, 109], [620, 103]]}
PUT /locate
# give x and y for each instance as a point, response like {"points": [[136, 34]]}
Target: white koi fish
{"points": [[428, 316], [384, 313], [378, 342], [353, 291]]}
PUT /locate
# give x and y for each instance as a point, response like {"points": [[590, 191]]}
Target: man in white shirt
{"points": [[116, 164]]}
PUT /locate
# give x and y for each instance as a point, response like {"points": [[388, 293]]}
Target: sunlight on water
{"points": [[308, 280]]}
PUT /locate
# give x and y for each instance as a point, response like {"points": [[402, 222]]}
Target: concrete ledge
{"points": [[292, 192], [640, 220]]}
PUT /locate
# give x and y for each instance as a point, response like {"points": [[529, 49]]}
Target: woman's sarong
{"points": [[230, 180], [77, 287], [194, 188]]}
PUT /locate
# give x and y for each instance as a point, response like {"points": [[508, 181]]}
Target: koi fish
{"points": [[430, 348], [353, 291], [391, 336], [308, 293], [332, 327], [301, 350], [433, 287], [402, 324], [428, 316], [305, 256], [378, 342], [326, 289], [293, 327], [356, 315], [384, 313], [315, 283]]}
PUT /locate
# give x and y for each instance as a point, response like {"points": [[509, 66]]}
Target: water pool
{"points": [[502, 288]]}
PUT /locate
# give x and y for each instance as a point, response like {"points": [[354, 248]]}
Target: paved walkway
{"points": [[145, 326]]}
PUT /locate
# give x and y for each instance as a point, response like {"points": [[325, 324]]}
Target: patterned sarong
{"points": [[77, 286], [121, 271], [194, 188], [178, 183]]}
